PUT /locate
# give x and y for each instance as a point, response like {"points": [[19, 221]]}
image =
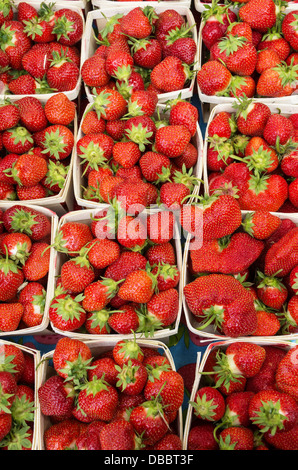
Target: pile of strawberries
{"points": [[246, 400], [142, 49], [24, 267], [252, 52], [252, 154], [17, 406], [254, 262], [36, 144], [39, 48], [120, 275], [126, 398], [128, 150]]}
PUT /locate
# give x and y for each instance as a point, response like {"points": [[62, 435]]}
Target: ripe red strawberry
{"points": [[138, 22], [17, 140], [98, 399], [124, 320], [13, 360], [171, 140], [261, 224], [68, 26], [10, 115], [9, 388], [127, 154], [171, 74], [162, 309], [126, 263], [77, 273], [27, 85], [132, 377], [10, 316], [201, 437], [59, 109], [138, 287], [209, 404], [236, 438], [118, 59], [94, 150], [32, 114], [103, 252], [69, 357], [146, 52], [29, 170], [63, 74], [110, 104], [72, 237], [37, 264], [56, 141], [236, 411], [14, 42], [26, 11], [278, 130], [273, 411], [289, 28], [37, 60], [149, 419], [271, 291], [98, 294], [184, 113], [132, 196], [213, 78], [93, 71], [66, 312], [280, 258], [5, 424], [277, 81], [11, 278], [167, 384], [118, 435], [267, 58], [204, 291], [18, 246], [286, 374], [125, 350], [264, 192], [63, 435], [55, 397], [249, 14], [164, 253], [251, 118], [141, 130], [155, 166], [169, 442]]}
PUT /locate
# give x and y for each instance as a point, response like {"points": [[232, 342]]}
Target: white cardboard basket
{"points": [[43, 97], [36, 356], [284, 109], [89, 45], [61, 202], [84, 216], [214, 100], [79, 179], [97, 348], [200, 364], [209, 334], [42, 328]]}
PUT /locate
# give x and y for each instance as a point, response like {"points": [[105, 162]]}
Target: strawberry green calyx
{"points": [[137, 44], [124, 88], [230, 44], [127, 374], [40, 301], [42, 87], [260, 160], [59, 58], [186, 177], [213, 315], [239, 143], [4, 401], [94, 155], [287, 73], [22, 410], [5, 7], [7, 364], [164, 175], [269, 281], [21, 135], [258, 183], [69, 308], [76, 372], [214, 10], [113, 215], [154, 372], [53, 143], [243, 106], [95, 386], [99, 319], [227, 188], [149, 11], [140, 135], [8, 265], [223, 147], [294, 23], [112, 286], [204, 407], [226, 444], [20, 254], [18, 438], [46, 11], [269, 417], [183, 32], [110, 24], [224, 374], [23, 221], [236, 83], [92, 193], [56, 174], [33, 28], [6, 37], [130, 349], [63, 27], [101, 101], [248, 224]]}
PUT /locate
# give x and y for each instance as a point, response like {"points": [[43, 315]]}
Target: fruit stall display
{"points": [[148, 231], [240, 404]]}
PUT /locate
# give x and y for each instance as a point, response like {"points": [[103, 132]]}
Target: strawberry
{"points": [[171, 74], [260, 156], [103, 252], [77, 273], [154, 166], [94, 150], [17, 140], [71, 358], [164, 253], [103, 366], [63, 74], [37, 264], [273, 411], [213, 78], [141, 130], [284, 440], [209, 404], [268, 323], [63, 435], [110, 104], [132, 377], [236, 438], [18, 246], [289, 28], [150, 420], [261, 224], [27, 85], [60, 110], [10, 115], [11, 277], [8, 386], [98, 399], [236, 409], [72, 237], [56, 141], [168, 276], [286, 374], [29, 170], [277, 81], [125, 320], [26, 12], [55, 397], [215, 23], [127, 154], [68, 26], [203, 290], [288, 164], [125, 350], [91, 124], [39, 30], [138, 286], [93, 71], [37, 60], [241, 55], [126, 263], [280, 258], [201, 437], [171, 140], [184, 113], [5, 424], [138, 22], [132, 196], [251, 118], [249, 14], [32, 114], [66, 312], [10, 316], [160, 227], [264, 192], [6, 11], [118, 435], [14, 42], [267, 59], [146, 52], [117, 60], [12, 360], [169, 442], [271, 291], [98, 294]]}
